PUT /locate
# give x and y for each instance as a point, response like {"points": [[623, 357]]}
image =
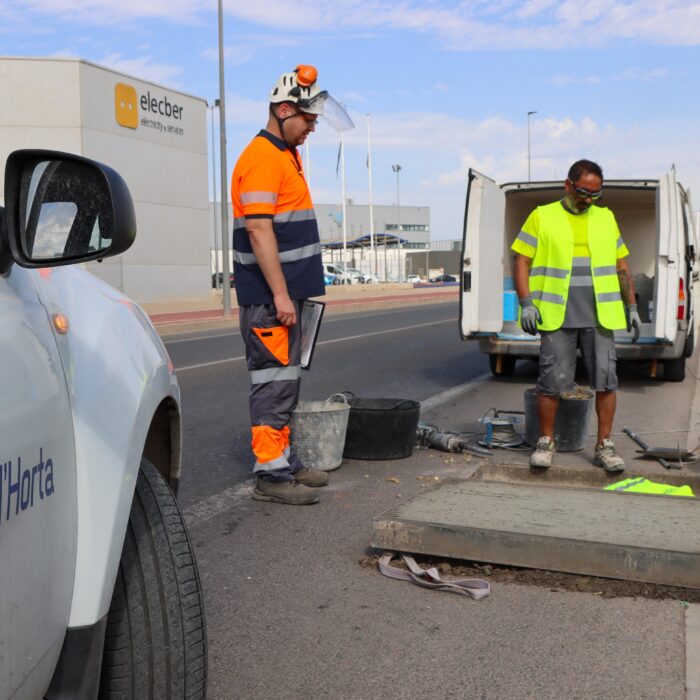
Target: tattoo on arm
{"points": [[626, 288]]}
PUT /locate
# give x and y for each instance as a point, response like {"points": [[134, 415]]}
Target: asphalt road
{"points": [[295, 609], [408, 352]]}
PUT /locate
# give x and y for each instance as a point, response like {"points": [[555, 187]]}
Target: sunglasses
{"points": [[308, 118], [587, 194]]}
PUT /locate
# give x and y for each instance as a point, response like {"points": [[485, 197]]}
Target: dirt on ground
{"points": [[554, 580]]}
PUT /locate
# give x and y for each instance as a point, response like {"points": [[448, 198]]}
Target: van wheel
{"points": [[507, 365], [155, 644], [674, 370]]}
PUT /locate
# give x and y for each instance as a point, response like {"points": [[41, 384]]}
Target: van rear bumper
{"points": [[493, 345]]}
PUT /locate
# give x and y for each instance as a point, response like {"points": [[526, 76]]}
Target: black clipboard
{"points": [[311, 316]]}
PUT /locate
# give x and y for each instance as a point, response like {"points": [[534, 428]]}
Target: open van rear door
{"points": [[669, 257], [481, 298]]}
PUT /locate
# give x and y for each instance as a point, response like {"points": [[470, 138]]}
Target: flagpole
{"points": [[373, 249], [345, 230]]}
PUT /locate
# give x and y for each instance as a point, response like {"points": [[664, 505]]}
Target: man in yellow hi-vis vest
{"points": [[575, 289]]}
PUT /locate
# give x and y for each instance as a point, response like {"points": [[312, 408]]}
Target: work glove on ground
{"points": [[529, 315], [634, 323]]}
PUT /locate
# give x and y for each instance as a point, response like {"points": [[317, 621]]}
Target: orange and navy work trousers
{"points": [[273, 353]]}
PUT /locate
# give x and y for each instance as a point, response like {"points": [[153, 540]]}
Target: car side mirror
{"points": [[62, 209]]}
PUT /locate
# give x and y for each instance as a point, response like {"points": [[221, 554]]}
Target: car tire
{"points": [[155, 643], [674, 370], [507, 365]]}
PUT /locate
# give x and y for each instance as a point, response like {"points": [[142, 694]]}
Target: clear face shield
{"points": [[330, 109]]}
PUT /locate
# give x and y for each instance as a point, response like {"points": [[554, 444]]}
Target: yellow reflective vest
{"points": [[642, 485], [550, 273]]}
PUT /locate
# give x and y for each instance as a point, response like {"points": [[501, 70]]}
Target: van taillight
{"points": [[681, 300]]}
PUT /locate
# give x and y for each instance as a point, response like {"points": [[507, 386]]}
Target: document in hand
{"points": [[311, 315]]}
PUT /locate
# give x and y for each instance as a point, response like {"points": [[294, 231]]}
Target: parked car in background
{"points": [[221, 279], [344, 276], [368, 278], [444, 278], [413, 279]]}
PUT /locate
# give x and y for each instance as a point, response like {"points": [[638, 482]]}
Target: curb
{"points": [[692, 652]]}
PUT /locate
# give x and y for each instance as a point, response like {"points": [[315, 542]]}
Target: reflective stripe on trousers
{"points": [[274, 390]]}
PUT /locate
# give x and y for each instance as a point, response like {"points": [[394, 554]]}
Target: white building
{"points": [[154, 137], [411, 224]]}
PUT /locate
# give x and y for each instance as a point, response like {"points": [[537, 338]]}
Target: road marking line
{"points": [[323, 342], [326, 321], [213, 505], [455, 392], [235, 495]]}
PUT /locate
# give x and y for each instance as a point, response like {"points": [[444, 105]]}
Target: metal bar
{"points": [[644, 446]]}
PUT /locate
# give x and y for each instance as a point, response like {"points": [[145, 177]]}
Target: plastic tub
{"points": [[381, 428]]}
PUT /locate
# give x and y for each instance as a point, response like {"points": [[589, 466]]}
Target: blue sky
{"points": [[448, 84]]}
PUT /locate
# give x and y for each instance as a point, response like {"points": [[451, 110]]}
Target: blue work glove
{"points": [[529, 315], [634, 323]]}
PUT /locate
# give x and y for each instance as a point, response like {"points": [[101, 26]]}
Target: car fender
{"points": [[125, 374]]}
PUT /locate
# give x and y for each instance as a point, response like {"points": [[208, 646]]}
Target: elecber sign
{"points": [[161, 106]]}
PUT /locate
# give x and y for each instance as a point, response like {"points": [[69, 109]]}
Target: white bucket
{"points": [[318, 432]]}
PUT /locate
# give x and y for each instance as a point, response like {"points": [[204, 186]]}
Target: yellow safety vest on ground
{"points": [[642, 485], [550, 273]]}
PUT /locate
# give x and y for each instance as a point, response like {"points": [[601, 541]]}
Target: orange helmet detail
{"points": [[306, 75]]}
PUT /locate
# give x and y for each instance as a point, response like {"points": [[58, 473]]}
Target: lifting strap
{"points": [[430, 578]]}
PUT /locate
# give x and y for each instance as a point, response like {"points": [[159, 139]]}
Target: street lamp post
{"points": [[529, 114], [213, 185], [397, 169], [222, 160]]}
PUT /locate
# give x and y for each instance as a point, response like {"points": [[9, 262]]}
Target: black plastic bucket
{"points": [[571, 423], [381, 428]]}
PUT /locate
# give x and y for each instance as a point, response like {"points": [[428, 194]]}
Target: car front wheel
{"points": [[155, 644]]}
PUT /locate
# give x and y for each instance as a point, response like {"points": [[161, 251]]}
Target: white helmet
{"points": [[300, 88]]}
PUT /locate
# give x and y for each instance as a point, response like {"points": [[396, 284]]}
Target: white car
{"points": [[413, 279], [368, 278], [342, 275], [99, 589]]}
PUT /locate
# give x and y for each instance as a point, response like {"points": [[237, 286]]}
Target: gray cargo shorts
{"points": [[558, 359]]}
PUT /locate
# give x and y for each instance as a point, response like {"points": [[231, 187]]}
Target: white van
{"points": [[657, 223]]}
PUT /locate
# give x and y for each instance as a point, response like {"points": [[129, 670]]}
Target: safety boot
{"points": [[292, 493], [311, 477], [544, 453], [605, 457]]}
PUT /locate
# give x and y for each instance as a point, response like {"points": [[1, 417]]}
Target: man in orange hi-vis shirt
{"points": [[277, 263]]}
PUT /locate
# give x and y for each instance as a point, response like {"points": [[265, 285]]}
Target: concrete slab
{"points": [[576, 530]]}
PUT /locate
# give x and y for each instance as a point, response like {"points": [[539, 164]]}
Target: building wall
{"points": [[330, 220], [69, 105]]}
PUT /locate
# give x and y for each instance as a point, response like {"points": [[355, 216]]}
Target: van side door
{"points": [[481, 296], [670, 257]]}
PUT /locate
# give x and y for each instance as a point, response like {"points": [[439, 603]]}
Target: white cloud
{"points": [[563, 80], [143, 67], [436, 150], [459, 25], [101, 12], [505, 25]]}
